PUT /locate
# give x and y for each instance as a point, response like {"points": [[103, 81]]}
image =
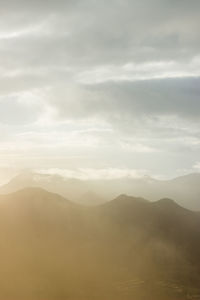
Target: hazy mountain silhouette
{"points": [[127, 248], [185, 190], [71, 188]]}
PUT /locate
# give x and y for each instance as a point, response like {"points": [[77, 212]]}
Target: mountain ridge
{"points": [[184, 189]]}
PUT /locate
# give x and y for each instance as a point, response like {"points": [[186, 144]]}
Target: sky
{"points": [[100, 88]]}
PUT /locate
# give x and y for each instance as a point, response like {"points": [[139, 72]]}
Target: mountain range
{"points": [[127, 248], [185, 189]]}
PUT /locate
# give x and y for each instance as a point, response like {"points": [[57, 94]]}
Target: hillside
{"points": [[124, 249]]}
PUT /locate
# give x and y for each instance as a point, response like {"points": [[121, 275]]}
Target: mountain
{"points": [[70, 188], [127, 248], [185, 190]]}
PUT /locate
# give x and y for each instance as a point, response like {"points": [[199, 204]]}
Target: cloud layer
{"points": [[100, 84]]}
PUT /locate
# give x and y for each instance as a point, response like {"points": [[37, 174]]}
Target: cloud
{"points": [[19, 109], [196, 166], [82, 34], [95, 174], [126, 99], [110, 83], [43, 43], [141, 71]]}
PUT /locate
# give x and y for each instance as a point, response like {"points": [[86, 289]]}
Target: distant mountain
{"points": [[70, 188], [128, 248], [185, 190]]}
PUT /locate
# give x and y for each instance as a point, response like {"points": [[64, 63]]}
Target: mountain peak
{"points": [[33, 191], [167, 203], [127, 198], [35, 194], [123, 201]]}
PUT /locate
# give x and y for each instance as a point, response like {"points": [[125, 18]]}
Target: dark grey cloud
{"points": [[176, 97], [89, 32]]}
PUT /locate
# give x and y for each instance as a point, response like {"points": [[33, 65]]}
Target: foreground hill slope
{"points": [[128, 248]]}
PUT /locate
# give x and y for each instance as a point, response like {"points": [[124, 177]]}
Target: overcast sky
{"points": [[100, 86]]}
